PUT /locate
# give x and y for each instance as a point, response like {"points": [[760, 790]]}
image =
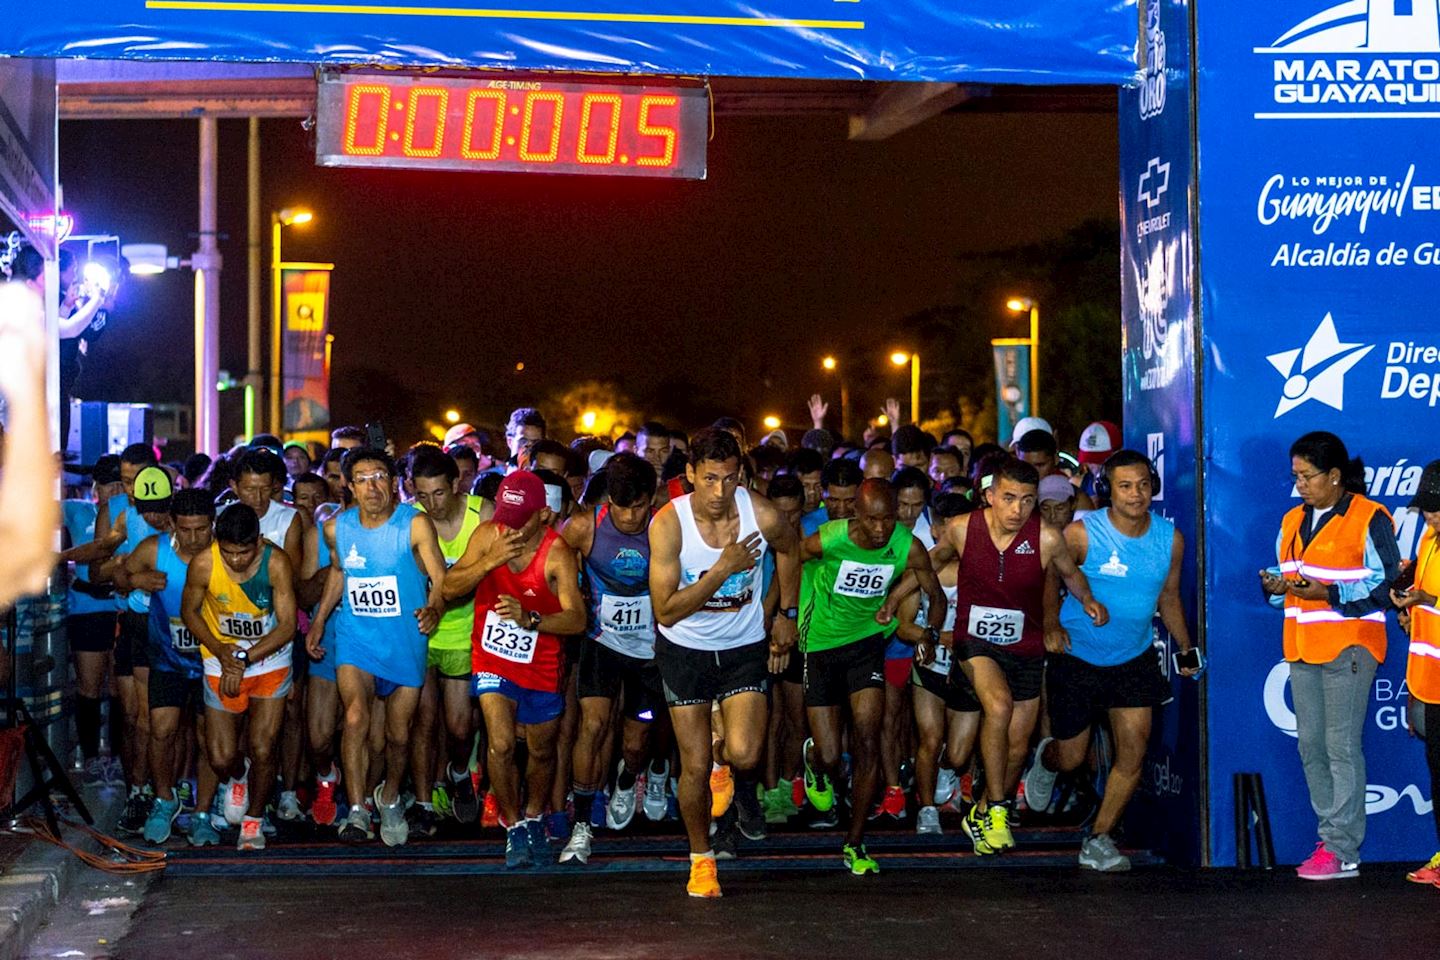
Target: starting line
{"points": [[784, 851]]}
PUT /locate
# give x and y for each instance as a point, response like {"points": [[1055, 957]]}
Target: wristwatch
{"points": [[243, 656], [932, 636], [791, 613], [533, 618]]}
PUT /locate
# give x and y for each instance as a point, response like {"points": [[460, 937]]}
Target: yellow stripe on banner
{"points": [[393, 11]]}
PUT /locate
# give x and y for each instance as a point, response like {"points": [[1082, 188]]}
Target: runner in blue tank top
{"points": [[381, 554], [1132, 559], [617, 657], [173, 687]]}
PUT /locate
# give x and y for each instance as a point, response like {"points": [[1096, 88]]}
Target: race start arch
{"points": [[1279, 203]]}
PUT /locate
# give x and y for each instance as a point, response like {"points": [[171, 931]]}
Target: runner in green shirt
{"points": [[850, 566]]}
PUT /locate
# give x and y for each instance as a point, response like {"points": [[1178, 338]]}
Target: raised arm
{"points": [[490, 547]]}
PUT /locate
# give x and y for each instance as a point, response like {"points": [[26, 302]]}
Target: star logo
{"points": [[1154, 183], [1323, 363]]}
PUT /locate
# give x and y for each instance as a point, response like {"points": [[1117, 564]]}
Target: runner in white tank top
{"points": [[707, 591]]}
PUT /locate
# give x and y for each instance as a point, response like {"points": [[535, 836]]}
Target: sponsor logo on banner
{"points": [[1360, 59], [1352, 201], [1154, 185], [1156, 279], [1152, 80], [1320, 372]]}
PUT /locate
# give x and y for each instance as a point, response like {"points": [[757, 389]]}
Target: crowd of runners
{"points": [[554, 640]]}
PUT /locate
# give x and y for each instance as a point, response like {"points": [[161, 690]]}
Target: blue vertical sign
{"points": [[1157, 307], [1320, 240], [1012, 384]]}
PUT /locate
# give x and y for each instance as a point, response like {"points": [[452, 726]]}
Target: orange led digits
{"points": [[441, 96], [492, 152], [557, 100], [352, 119], [582, 147], [667, 133]]}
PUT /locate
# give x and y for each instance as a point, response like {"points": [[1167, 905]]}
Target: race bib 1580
{"points": [[245, 626]]}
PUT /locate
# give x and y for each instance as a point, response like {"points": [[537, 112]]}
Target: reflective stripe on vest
{"points": [[1314, 631], [1422, 670]]}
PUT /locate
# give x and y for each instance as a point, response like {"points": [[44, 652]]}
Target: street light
{"points": [[452, 416], [1020, 305], [587, 419], [772, 422], [900, 358], [287, 217], [831, 365]]}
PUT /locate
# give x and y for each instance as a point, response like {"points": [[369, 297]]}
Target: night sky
{"points": [[727, 290]]}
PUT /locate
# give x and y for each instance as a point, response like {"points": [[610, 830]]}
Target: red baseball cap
{"points": [[520, 497], [1098, 441]]}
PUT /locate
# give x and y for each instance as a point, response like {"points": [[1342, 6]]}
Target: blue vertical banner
{"points": [[1158, 336], [1012, 384], [1319, 245]]}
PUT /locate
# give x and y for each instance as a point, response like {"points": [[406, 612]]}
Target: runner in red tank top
{"points": [[527, 595], [1002, 625]]}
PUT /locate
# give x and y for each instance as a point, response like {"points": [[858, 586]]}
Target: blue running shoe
{"points": [[162, 817], [517, 847], [203, 832]]}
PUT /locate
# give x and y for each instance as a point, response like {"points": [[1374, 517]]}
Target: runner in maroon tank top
{"points": [[1002, 615]]}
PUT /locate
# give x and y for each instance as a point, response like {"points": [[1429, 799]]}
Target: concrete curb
{"points": [[42, 876]]}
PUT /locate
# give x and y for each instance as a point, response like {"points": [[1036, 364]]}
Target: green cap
{"points": [[152, 490]]}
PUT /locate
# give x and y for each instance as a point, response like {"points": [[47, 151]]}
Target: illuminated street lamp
{"points": [[288, 217], [831, 365], [587, 419], [772, 422], [900, 358], [1020, 305], [452, 416]]}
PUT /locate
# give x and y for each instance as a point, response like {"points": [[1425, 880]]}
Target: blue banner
{"points": [[1012, 384], [1158, 319], [999, 41], [1320, 238]]}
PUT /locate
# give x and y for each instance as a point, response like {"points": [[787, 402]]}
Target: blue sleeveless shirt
{"points": [[1126, 574], [617, 574], [173, 648], [375, 626]]}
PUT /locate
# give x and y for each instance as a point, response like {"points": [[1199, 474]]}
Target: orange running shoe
{"points": [[490, 815], [1430, 873], [704, 881], [722, 790]]}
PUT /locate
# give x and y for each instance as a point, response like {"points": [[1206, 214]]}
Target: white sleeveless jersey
{"points": [[276, 523], [735, 615]]}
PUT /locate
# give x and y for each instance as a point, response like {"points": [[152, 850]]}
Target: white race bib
{"points": [[181, 639], [627, 617], [244, 626], [996, 625], [941, 663], [373, 596], [508, 641], [865, 581]]}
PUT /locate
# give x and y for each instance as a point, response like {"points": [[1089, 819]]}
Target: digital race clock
{"points": [[526, 125]]}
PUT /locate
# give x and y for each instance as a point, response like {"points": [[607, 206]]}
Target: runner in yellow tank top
{"points": [[434, 475], [239, 602]]}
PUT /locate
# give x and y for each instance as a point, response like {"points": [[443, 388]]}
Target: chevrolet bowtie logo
{"points": [[1154, 183]]}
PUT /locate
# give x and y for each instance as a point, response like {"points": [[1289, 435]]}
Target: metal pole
{"points": [[275, 391], [1034, 360], [253, 376], [915, 388], [206, 263]]}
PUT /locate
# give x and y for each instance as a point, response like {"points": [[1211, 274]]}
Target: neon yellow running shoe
{"points": [[974, 826], [440, 800], [858, 862], [818, 789], [997, 828]]}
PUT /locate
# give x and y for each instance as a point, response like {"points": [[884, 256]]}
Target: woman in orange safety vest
{"points": [[1337, 558], [1420, 616]]}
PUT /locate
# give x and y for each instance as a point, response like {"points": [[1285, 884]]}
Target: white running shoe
{"points": [[251, 836], [236, 796], [657, 802], [1040, 781], [289, 807], [621, 808], [578, 846], [947, 785], [394, 828], [1099, 853], [928, 822]]}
